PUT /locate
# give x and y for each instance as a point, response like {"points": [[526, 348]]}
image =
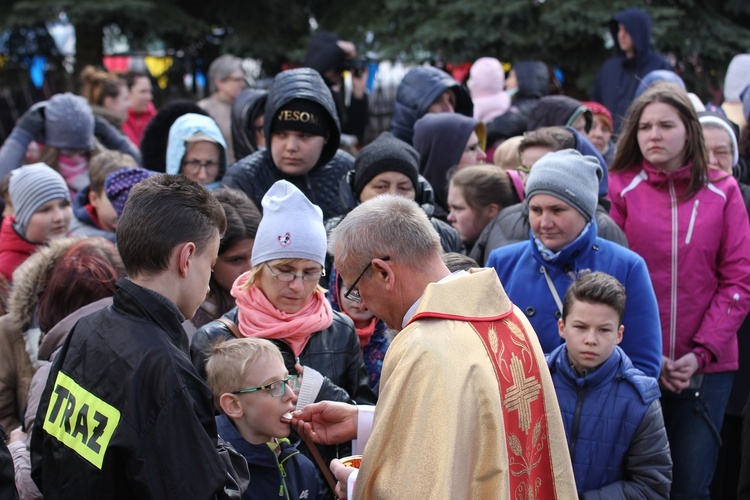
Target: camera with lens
{"points": [[356, 66]]}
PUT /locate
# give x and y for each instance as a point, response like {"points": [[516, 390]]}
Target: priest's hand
{"points": [[327, 422], [341, 472]]}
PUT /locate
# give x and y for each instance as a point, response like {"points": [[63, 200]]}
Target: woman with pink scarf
{"points": [[279, 299]]}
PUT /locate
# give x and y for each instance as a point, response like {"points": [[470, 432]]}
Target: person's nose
{"points": [[481, 155], [292, 144], [296, 283], [712, 158], [451, 217], [289, 394], [547, 220], [58, 214], [590, 338], [202, 174]]}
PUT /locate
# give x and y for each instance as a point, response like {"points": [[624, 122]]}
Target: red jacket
{"points": [[136, 123], [14, 250], [698, 255]]}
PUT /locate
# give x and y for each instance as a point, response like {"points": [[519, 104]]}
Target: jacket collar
{"points": [[257, 455], [574, 250], [135, 300], [656, 176], [607, 371]]}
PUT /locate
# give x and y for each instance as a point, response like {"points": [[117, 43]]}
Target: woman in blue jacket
{"points": [[562, 194]]}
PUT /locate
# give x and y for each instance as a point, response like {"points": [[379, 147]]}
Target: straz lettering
{"points": [[80, 420], [298, 116]]}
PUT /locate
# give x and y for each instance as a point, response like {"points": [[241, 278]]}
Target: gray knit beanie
{"points": [[385, 154], [569, 176], [291, 227], [31, 187], [68, 123]]}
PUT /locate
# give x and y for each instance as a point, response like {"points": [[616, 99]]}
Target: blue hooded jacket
{"points": [[520, 268], [619, 76], [601, 412], [421, 86]]}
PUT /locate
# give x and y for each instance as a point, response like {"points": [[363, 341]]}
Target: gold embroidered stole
{"points": [[524, 414]]}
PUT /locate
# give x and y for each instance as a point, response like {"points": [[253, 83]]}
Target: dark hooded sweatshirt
{"points": [[440, 139], [246, 108], [558, 110], [421, 86], [256, 173], [619, 76], [533, 84]]}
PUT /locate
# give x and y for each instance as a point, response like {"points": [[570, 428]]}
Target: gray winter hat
{"points": [[291, 227], [32, 186], [68, 123], [569, 176]]}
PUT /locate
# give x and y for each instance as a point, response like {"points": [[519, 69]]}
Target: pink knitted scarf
{"points": [[259, 318]]}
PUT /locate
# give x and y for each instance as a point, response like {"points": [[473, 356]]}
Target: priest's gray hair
{"points": [[387, 225]]}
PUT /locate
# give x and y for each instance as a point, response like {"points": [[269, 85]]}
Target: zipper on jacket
{"points": [[673, 278], [576, 420], [692, 222], [283, 489]]}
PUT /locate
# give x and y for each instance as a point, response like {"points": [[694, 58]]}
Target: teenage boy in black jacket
{"points": [[124, 414]]}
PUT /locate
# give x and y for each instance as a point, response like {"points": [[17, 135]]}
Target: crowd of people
{"points": [[507, 294]]}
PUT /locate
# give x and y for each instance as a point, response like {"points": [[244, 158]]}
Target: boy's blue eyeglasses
{"points": [[277, 388]]}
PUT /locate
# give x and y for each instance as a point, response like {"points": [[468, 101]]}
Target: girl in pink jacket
{"points": [[690, 225]]}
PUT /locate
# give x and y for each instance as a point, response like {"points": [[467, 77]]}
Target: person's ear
{"points": [[94, 197], [492, 210], [186, 252], [383, 270], [561, 328], [619, 334], [230, 404]]}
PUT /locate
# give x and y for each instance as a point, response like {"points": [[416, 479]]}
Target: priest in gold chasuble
{"points": [[467, 409]]}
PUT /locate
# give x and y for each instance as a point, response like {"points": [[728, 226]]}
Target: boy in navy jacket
{"points": [[256, 395], [611, 411]]}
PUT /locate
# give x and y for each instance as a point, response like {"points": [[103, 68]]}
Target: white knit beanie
{"points": [[291, 227]]}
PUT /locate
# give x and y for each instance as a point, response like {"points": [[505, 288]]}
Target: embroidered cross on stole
{"points": [[524, 414]]}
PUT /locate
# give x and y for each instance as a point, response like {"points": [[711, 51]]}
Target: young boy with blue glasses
{"points": [[256, 395]]}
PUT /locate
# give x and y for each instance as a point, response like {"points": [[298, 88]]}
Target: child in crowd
{"points": [[117, 188], [611, 411], [256, 395], [41, 203], [93, 214]]}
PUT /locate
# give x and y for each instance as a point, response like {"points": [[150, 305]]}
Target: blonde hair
{"points": [[230, 361], [255, 271], [506, 155]]}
